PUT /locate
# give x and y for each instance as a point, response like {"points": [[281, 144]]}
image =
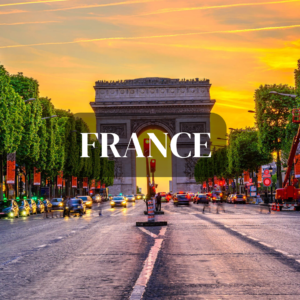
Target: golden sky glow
{"points": [[68, 45]]}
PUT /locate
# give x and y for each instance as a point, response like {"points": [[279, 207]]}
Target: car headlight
{"points": [[112, 202], [60, 204], [124, 202], [89, 202], [133, 198]]}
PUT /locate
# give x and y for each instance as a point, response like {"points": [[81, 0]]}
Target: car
{"points": [[130, 198], [139, 196], [239, 198], [191, 196], [181, 199], [118, 201], [9, 208], [229, 198], [24, 207], [201, 198], [75, 205], [57, 203], [163, 197], [97, 198], [48, 205], [87, 200], [33, 206], [40, 206], [215, 197]]}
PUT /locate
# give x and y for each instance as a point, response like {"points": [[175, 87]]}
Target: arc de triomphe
{"points": [[171, 105]]}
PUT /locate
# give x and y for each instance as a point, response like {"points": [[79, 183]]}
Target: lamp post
{"points": [[271, 171]]}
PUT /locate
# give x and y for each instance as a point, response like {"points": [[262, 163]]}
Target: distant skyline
{"points": [[67, 45]]}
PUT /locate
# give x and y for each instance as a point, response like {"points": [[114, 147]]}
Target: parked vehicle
{"points": [[33, 206], [57, 203], [48, 205], [9, 208], [40, 206], [24, 207], [163, 197], [87, 200]]}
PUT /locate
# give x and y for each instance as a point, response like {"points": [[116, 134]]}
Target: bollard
{"points": [[151, 215]]}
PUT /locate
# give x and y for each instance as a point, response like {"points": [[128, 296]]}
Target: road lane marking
{"points": [[252, 238], [148, 232], [140, 285], [282, 252], [42, 246], [267, 245], [163, 230]]}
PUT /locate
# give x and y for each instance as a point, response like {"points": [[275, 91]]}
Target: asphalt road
{"points": [[239, 254]]}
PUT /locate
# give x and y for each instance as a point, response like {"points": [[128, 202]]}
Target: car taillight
{"points": [[244, 197], [214, 198], [221, 195]]}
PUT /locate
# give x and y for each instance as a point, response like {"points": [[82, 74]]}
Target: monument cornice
{"points": [[168, 110]]}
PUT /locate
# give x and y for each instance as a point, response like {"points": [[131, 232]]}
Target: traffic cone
{"points": [[278, 208], [273, 207]]}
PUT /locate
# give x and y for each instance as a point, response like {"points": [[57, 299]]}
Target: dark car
{"points": [[40, 206], [48, 205], [57, 203], [181, 199], [87, 200], [33, 206], [24, 208], [75, 205], [201, 198], [97, 198], [9, 208]]}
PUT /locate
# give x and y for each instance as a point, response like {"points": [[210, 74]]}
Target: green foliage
{"points": [[26, 87], [272, 112], [248, 155], [11, 115]]}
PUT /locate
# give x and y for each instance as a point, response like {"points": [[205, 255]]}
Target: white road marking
{"points": [[148, 232], [140, 285], [42, 246], [163, 230], [60, 237], [226, 226], [267, 245], [282, 252], [252, 238], [298, 260]]}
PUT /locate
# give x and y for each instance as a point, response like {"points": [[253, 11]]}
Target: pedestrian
{"points": [[206, 205], [158, 202], [220, 204]]}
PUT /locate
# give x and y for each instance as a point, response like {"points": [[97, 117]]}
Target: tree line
{"points": [[40, 140], [249, 148]]}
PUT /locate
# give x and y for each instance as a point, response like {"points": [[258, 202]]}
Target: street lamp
{"points": [[30, 99], [282, 94], [54, 116]]}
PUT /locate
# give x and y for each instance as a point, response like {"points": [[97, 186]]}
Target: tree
{"points": [[272, 112], [29, 149], [249, 156], [11, 120]]}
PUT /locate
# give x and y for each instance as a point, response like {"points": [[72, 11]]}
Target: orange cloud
{"points": [[24, 23], [169, 10], [35, 2], [154, 36], [103, 5]]}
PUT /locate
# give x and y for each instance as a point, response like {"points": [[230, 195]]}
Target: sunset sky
{"points": [[68, 45]]}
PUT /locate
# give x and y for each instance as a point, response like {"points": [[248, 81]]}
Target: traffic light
{"points": [[153, 165]]}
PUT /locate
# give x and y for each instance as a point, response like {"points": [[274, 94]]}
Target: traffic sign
{"points": [[267, 181], [266, 172], [250, 180]]}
